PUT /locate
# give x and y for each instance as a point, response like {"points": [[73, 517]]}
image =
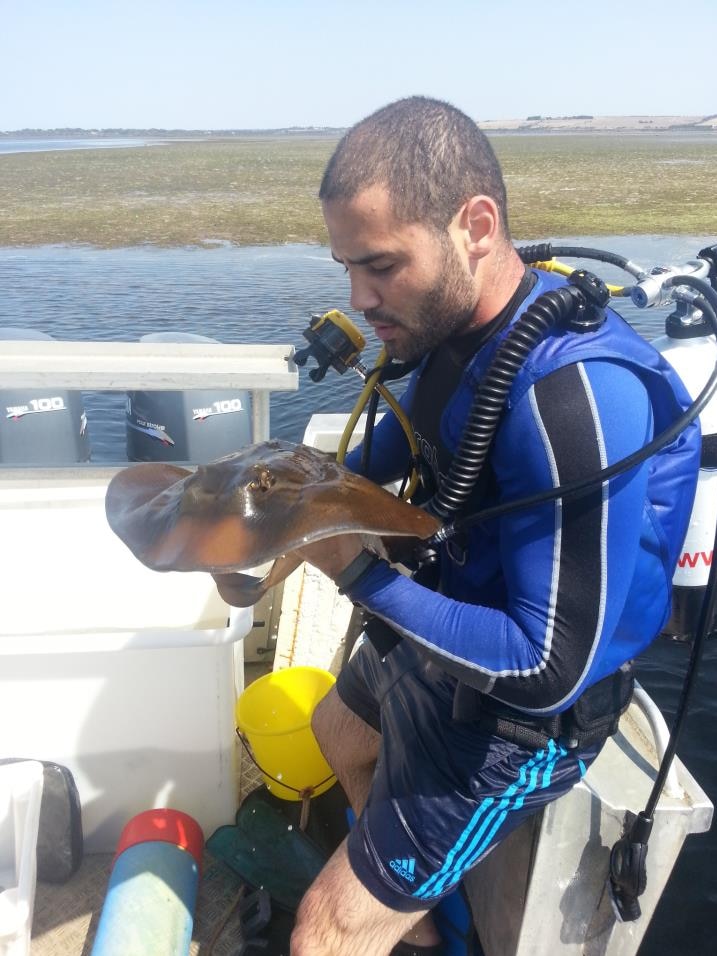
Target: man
{"points": [[509, 675]]}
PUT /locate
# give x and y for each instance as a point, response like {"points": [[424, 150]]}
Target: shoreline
{"points": [[582, 123], [556, 237]]}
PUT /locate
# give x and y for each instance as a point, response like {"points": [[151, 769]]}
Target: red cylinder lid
{"points": [[167, 826]]}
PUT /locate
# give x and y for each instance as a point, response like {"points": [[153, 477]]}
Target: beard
{"points": [[446, 308]]}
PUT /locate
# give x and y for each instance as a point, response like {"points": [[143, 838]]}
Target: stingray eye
{"points": [[266, 479], [263, 481]]}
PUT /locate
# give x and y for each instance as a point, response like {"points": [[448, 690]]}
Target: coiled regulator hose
{"points": [[550, 309]]}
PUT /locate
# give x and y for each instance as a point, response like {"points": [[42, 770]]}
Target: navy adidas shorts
{"points": [[445, 792]]}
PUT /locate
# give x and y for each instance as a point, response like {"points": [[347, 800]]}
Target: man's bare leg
{"points": [[351, 748], [339, 917], [349, 745]]}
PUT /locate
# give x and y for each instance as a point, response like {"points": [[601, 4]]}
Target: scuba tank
{"points": [[693, 354], [689, 345]]}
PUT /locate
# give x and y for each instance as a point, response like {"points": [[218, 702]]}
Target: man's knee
{"points": [[318, 924], [338, 915]]}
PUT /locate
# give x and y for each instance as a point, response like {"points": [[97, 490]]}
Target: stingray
{"points": [[260, 504]]}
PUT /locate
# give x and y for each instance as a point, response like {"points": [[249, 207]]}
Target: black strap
{"points": [[593, 717], [536, 736], [383, 637], [708, 458], [364, 562]]}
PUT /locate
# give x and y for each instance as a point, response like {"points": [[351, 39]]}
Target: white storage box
{"points": [[20, 796], [126, 676]]}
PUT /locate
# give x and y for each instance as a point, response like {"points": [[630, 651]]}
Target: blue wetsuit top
{"points": [[546, 601]]}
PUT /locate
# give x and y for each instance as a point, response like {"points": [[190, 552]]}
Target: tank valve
{"points": [[334, 341]]}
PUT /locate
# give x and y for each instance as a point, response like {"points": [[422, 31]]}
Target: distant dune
{"points": [[582, 123], [603, 124]]}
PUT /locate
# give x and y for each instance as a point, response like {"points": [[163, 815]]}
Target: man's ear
{"points": [[481, 222]]}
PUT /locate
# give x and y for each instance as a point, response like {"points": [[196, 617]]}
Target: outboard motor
{"points": [[195, 425], [692, 352], [41, 426]]}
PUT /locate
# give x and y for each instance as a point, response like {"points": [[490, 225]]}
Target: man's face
{"points": [[408, 281]]}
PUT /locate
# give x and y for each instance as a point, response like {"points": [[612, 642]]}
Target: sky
{"points": [[267, 64]]}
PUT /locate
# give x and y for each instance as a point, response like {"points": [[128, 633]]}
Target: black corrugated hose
{"points": [[568, 304]]}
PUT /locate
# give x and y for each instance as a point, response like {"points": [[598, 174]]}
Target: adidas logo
{"points": [[404, 868]]}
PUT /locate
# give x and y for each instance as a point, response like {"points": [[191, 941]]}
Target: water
{"points": [[33, 145], [259, 294], [236, 295], [267, 294]]}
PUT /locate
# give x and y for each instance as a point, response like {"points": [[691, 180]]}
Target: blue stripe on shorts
{"points": [[536, 773]]}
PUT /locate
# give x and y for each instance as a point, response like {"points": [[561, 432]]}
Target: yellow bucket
{"points": [[274, 714]]}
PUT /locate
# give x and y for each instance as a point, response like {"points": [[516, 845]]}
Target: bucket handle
{"points": [[306, 793]]}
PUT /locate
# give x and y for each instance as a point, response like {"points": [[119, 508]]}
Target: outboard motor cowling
{"points": [[41, 426], [195, 425]]}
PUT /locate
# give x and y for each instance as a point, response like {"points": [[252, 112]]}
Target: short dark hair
{"points": [[429, 155]]}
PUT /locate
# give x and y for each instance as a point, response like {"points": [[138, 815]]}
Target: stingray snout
{"points": [[207, 485]]}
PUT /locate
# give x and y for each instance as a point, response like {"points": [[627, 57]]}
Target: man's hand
{"points": [[332, 555]]}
